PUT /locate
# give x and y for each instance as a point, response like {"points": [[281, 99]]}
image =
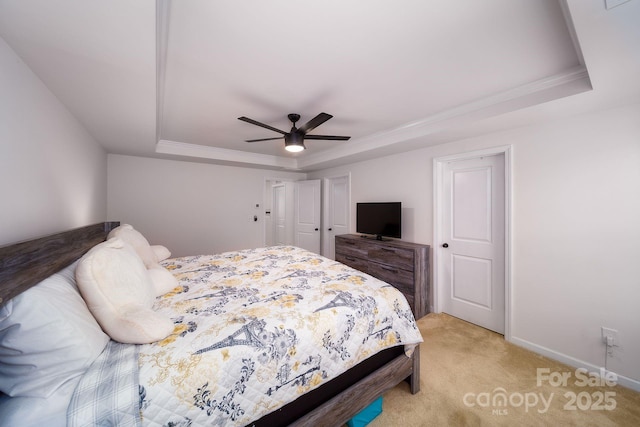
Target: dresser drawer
{"points": [[352, 248], [397, 257], [353, 262], [399, 278]]}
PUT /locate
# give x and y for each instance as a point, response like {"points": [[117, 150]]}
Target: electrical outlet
{"points": [[610, 337]]}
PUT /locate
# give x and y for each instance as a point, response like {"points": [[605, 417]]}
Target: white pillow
{"points": [[119, 292], [133, 237], [38, 411], [47, 337]]}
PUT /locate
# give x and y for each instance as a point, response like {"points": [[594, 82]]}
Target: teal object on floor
{"points": [[367, 415]]}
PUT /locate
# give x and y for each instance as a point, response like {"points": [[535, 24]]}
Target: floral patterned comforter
{"points": [[257, 328]]}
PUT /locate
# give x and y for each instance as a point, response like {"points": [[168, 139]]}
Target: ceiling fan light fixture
{"points": [[294, 140], [294, 148], [294, 143]]}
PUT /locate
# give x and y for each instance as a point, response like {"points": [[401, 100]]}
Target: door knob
{"points": [[315, 229], [445, 245], [330, 229]]}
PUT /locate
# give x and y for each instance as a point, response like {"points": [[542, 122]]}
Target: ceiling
{"points": [[170, 78]]}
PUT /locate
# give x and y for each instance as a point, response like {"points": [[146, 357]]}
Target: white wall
{"points": [[576, 229], [192, 208], [52, 172]]}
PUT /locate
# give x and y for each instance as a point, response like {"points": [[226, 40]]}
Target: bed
{"points": [[293, 387]]}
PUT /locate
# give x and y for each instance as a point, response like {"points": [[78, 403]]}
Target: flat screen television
{"points": [[380, 219]]}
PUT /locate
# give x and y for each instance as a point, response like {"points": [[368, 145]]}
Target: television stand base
{"points": [[378, 238]]}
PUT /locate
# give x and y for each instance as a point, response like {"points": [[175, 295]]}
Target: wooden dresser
{"points": [[402, 264]]}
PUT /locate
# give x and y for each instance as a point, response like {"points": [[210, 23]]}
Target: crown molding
{"points": [[570, 82], [222, 154], [162, 41]]}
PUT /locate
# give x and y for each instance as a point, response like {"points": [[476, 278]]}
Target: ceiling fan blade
{"points": [[263, 139], [329, 137], [314, 123], [253, 122]]}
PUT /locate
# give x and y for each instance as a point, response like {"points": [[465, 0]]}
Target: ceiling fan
{"points": [[294, 139]]}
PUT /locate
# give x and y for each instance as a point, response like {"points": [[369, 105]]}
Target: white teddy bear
{"points": [[119, 288]]}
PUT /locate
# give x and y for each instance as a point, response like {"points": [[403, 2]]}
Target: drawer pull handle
{"points": [[392, 270], [387, 250], [349, 258]]}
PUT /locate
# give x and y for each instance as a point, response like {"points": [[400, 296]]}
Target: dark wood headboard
{"points": [[25, 264]]}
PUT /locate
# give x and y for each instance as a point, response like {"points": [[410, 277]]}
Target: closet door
{"points": [[308, 215], [282, 213], [336, 212]]}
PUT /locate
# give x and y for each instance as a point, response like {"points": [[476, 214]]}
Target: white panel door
{"points": [[279, 215], [336, 213], [307, 215], [282, 212], [471, 253]]}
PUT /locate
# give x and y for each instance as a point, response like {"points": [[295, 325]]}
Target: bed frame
{"points": [[23, 265]]}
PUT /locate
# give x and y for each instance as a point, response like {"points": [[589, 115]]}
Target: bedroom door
{"points": [[471, 246], [308, 215], [335, 218]]}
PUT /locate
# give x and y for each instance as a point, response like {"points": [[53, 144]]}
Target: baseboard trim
{"points": [[572, 361]]}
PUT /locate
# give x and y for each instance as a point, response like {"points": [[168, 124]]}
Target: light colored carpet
{"points": [[464, 365]]}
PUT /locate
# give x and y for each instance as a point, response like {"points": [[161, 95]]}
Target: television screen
{"points": [[379, 219]]}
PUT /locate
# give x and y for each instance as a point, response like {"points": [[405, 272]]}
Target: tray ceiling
{"points": [[170, 79]]}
